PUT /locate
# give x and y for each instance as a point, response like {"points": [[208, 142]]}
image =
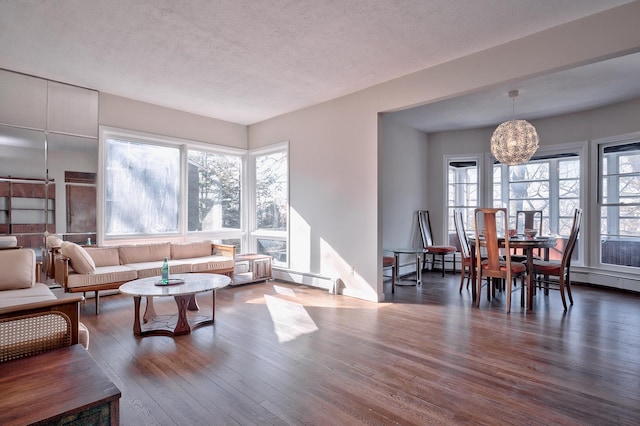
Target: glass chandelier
{"points": [[514, 141]]}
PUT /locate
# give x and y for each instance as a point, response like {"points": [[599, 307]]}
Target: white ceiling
{"points": [[249, 60], [578, 89]]}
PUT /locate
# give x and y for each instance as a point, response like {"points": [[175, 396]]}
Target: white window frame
{"points": [[479, 165], [184, 145], [597, 147], [580, 148], [254, 234]]}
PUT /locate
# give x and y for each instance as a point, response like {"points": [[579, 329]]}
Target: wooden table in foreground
{"points": [[185, 297], [63, 386]]}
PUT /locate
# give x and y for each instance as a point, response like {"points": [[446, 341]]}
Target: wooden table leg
{"points": [[529, 279], [213, 306], [182, 325], [193, 304], [137, 330], [149, 311]]}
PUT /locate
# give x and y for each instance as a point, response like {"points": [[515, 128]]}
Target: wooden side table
{"points": [[258, 268], [63, 386]]}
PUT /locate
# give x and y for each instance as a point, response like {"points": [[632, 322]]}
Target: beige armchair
{"points": [[32, 318]]}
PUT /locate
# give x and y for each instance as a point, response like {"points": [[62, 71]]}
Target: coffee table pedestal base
{"points": [[163, 325]]}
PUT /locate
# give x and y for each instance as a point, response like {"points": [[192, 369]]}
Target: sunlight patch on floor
{"points": [[284, 290], [290, 319]]}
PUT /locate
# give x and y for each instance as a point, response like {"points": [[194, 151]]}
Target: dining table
{"points": [[528, 245]]}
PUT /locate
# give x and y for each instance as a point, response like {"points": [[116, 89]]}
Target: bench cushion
{"points": [[154, 269], [102, 275], [38, 293], [210, 263], [17, 269]]}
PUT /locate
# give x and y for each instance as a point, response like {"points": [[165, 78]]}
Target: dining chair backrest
{"points": [[529, 219], [465, 248], [425, 228], [573, 238], [491, 225]]}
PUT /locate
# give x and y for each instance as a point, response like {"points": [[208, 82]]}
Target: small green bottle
{"points": [[165, 271]]}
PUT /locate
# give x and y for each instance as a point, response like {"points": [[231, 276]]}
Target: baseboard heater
{"points": [[307, 278]]}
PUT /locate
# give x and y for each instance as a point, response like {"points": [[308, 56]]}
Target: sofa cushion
{"points": [[143, 253], [211, 263], [154, 269], [104, 256], [18, 269], [102, 275], [38, 293], [79, 259], [189, 250]]}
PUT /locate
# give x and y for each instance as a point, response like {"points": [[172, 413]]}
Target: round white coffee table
{"points": [[185, 297]]}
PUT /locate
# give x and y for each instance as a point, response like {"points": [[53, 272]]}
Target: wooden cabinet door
{"points": [[81, 208]]}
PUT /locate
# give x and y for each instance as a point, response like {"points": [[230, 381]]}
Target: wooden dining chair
{"points": [[467, 269], [492, 225], [527, 219], [544, 271], [428, 244]]}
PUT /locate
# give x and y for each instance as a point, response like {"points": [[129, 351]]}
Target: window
{"points": [[271, 199], [213, 183], [142, 184], [161, 186], [620, 203], [548, 182], [462, 192]]}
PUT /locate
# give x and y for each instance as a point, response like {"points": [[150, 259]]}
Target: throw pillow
{"points": [[53, 241], [79, 259], [18, 269]]}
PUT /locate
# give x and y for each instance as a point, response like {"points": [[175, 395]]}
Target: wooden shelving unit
{"points": [[27, 209]]}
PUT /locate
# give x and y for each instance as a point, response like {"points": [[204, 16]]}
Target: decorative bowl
{"points": [[530, 233]]}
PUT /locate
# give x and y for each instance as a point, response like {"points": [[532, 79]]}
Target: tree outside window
{"points": [[214, 191], [272, 204]]}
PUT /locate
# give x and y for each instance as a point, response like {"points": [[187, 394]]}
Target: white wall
{"points": [[404, 187], [115, 111], [334, 146]]}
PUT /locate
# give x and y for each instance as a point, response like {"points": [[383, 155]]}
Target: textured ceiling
{"points": [[577, 89], [247, 61]]}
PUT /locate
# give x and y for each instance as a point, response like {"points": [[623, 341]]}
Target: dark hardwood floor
{"points": [[293, 355]]}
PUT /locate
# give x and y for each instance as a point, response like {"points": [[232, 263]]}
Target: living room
{"points": [[340, 221]]}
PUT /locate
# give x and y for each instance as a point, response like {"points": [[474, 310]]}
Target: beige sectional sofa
{"points": [[82, 269]]}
